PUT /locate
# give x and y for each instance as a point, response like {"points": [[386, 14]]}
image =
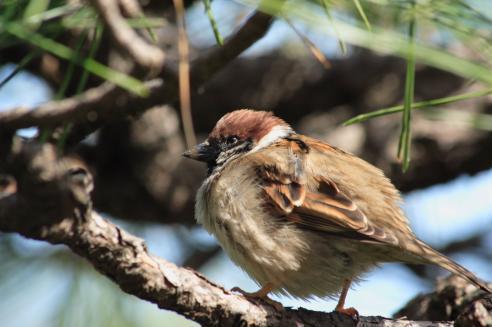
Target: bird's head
{"points": [[238, 133]]}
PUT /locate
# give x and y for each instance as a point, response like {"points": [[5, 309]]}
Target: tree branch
{"points": [[453, 299], [97, 105], [204, 67], [72, 109], [58, 190]]}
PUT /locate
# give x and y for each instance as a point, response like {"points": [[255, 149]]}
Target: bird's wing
{"points": [[318, 203], [314, 202]]}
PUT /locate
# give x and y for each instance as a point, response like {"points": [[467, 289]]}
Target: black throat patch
{"points": [[226, 153]]}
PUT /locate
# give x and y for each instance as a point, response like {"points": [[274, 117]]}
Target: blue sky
{"points": [[24, 90]]}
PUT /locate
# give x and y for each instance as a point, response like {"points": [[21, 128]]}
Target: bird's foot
{"points": [[351, 312], [259, 296]]}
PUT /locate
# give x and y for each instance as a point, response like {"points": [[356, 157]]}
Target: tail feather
{"points": [[429, 255]]}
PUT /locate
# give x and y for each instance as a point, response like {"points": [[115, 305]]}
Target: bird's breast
{"points": [[301, 263], [232, 209]]}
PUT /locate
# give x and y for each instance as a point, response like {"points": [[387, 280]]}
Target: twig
{"points": [[51, 113], [184, 75], [95, 106], [255, 27], [315, 51], [143, 53], [131, 8]]}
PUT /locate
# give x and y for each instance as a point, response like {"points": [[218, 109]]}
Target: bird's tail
{"points": [[429, 255]]}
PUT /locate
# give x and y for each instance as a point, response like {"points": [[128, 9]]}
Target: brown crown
{"points": [[246, 123]]}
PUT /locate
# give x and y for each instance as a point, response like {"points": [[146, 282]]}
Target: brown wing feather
{"points": [[284, 191], [353, 173], [330, 210], [325, 209]]}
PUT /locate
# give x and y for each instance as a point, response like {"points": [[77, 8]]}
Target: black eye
{"points": [[232, 140]]}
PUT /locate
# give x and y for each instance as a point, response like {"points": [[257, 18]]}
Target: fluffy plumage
{"points": [[299, 214]]}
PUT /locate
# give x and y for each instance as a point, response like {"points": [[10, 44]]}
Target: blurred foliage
{"points": [[453, 35], [65, 291], [462, 28], [405, 28], [41, 23]]}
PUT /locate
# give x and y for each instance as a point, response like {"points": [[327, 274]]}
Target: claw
{"points": [[351, 312], [261, 296]]}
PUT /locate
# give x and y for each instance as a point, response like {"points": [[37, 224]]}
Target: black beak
{"points": [[202, 152]]}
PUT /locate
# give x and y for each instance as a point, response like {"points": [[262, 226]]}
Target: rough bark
{"points": [[453, 300]]}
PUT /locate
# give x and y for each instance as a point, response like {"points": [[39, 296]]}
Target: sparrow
{"points": [[301, 217]]}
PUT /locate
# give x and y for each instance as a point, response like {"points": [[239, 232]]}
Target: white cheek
{"points": [[275, 134], [201, 205]]}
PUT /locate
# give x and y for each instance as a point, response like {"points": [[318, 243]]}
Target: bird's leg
{"points": [[341, 301], [261, 294]]}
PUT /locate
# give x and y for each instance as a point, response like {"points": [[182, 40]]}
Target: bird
{"points": [[301, 217]]}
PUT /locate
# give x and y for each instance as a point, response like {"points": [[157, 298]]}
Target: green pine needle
{"points": [[81, 86], [60, 50], [418, 105], [213, 22], [326, 5], [20, 66], [70, 70], [405, 135], [35, 7], [362, 14], [92, 52]]}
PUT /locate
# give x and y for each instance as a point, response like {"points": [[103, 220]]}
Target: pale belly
{"points": [[298, 262]]}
